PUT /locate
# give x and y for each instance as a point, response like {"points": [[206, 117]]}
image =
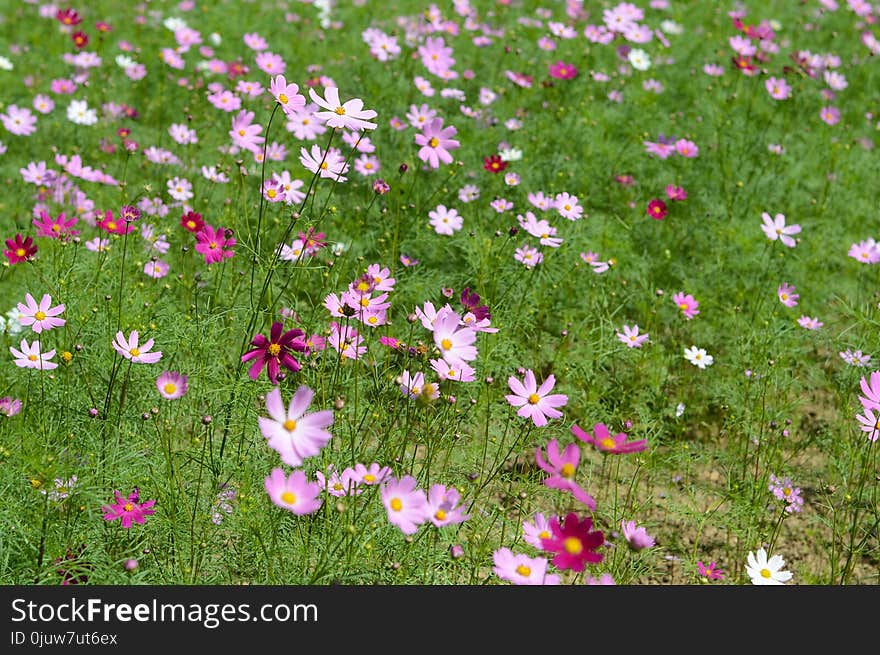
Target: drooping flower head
{"points": [[605, 442], [562, 467]]}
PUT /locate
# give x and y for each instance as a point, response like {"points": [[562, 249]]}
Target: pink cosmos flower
{"points": [[567, 206], [787, 295], [351, 115], [676, 192], [455, 343], [40, 316], [338, 484], [275, 352], [830, 115], [435, 142], [445, 221], [329, 164], [534, 532], [291, 432], [783, 489], [562, 468], [19, 121], [530, 257], [575, 543], [30, 356], [293, 492], [871, 388], [133, 350], [631, 337], [870, 423], [686, 148], [603, 441], [637, 537], [605, 580], [129, 510], [346, 340], [534, 402], [687, 304], [778, 88], [866, 252], [809, 323], [406, 506], [9, 406], [443, 506], [287, 95], [171, 385], [213, 244], [246, 134], [370, 475], [775, 228], [521, 569]]}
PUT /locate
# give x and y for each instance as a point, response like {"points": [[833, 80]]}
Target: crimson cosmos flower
{"points": [[275, 352], [494, 163], [657, 209], [574, 543], [20, 249]]}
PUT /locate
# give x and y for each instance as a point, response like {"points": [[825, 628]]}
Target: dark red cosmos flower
{"points": [[657, 209], [68, 17], [20, 249], [470, 300], [574, 543], [494, 164], [274, 352], [745, 65], [192, 221], [80, 39]]}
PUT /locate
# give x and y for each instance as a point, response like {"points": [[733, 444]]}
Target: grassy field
{"points": [[611, 168]]}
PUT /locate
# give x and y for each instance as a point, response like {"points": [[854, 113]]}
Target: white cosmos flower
{"points": [[698, 357], [124, 61], [78, 112], [511, 154], [765, 571], [174, 23], [639, 59], [5, 64]]}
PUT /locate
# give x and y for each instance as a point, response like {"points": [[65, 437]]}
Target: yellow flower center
{"points": [[573, 546], [340, 111], [396, 504], [191, 225], [274, 349], [365, 302], [433, 142], [134, 352], [111, 225], [40, 316], [534, 398], [786, 491], [20, 252], [288, 497], [282, 98], [271, 193], [369, 478], [567, 471], [128, 507], [363, 286], [765, 573], [446, 344], [607, 443], [289, 425], [33, 358], [440, 515], [169, 388], [324, 166], [524, 570], [784, 296], [683, 305], [543, 535], [241, 133], [56, 228], [66, 356]]}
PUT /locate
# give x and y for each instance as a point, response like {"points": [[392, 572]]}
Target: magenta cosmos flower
{"points": [[436, 141], [19, 249], [562, 468], [214, 244], [710, 571], [40, 316], [171, 385], [443, 506], [128, 510], [132, 349], [533, 401], [522, 569], [290, 431], [350, 115], [294, 493], [687, 304], [275, 352], [574, 542], [602, 440], [562, 71], [407, 507], [657, 209]]}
